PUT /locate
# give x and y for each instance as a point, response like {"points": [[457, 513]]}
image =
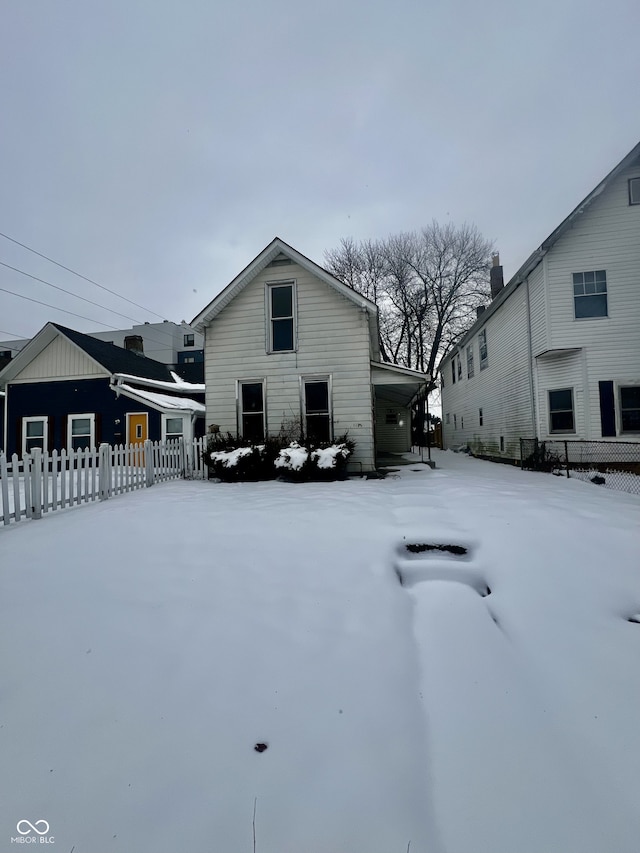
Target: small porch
{"points": [[394, 390]]}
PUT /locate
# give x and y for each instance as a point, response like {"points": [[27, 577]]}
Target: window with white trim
{"points": [[470, 370], [35, 433], [316, 408], [251, 412], [561, 414], [459, 367], [189, 340], [172, 427], [590, 294], [482, 341], [281, 299], [630, 408], [81, 431], [634, 190]]}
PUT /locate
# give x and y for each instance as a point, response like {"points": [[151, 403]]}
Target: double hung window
{"points": [[281, 311], [316, 403], [251, 412]]}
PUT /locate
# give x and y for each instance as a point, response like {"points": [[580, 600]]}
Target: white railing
{"points": [[42, 482]]}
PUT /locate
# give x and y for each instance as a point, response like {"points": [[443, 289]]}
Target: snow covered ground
{"points": [[150, 642]]}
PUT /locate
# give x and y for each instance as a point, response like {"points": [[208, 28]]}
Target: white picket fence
{"points": [[42, 482]]}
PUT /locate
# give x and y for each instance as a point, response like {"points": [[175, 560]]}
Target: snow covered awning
{"points": [[178, 386], [162, 402], [399, 385]]}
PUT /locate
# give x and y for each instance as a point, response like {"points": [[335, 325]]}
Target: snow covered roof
{"points": [[162, 402], [178, 386]]}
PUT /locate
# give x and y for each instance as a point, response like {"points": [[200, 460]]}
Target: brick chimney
{"points": [[496, 276], [134, 343]]}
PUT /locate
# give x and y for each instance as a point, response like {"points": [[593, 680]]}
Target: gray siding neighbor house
{"points": [[557, 352], [287, 343]]}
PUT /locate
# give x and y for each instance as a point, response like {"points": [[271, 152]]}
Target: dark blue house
{"points": [[69, 390]]}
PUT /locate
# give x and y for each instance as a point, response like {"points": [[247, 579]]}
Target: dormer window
{"points": [[281, 298]]}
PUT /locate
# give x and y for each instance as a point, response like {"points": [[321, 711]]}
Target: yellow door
{"points": [[138, 432]]}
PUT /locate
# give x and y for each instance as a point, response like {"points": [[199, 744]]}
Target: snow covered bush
{"points": [[292, 458], [325, 462]]}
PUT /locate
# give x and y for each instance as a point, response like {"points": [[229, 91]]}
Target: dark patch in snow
{"points": [[598, 480], [260, 747], [418, 548]]}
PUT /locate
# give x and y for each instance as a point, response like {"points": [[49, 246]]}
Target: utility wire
{"points": [[12, 335], [73, 272], [55, 308], [69, 293]]}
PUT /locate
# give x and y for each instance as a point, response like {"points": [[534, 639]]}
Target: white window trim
{"points": [[256, 381], [294, 307], [573, 411], [186, 426], [635, 180], [45, 434], [618, 407], [483, 363], [92, 433], [319, 377], [588, 295]]}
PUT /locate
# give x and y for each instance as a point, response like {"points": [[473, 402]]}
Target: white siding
{"points": [[606, 236], [392, 438], [502, 390], [538, 310], [60, 360], [333, 338], [554, 373]]}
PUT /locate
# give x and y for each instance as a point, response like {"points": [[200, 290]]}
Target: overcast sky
{"points": [[157, 147]]}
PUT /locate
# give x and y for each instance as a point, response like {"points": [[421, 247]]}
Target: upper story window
{"points": [[482, 340], [189, 340], [470, 370], [459, 367], [634, 190], [590, 294], [453, 371], [281, 307]]}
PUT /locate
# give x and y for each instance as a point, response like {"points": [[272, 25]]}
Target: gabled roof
{"points": [[632, 158], [110, 358], [269, 253]]}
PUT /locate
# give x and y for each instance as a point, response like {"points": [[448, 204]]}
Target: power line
{"points": [[73, 272], [55, 308], [12, 335], [68, 292]]}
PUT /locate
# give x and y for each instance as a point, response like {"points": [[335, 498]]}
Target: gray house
{"points": [[557, 352], [287, 343]]}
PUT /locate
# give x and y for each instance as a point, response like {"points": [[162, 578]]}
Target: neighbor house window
{"points": [[459, 368], [482, 340], [470, 370], [189, 359], [590, 294], [172, 428], [448, 418], [251, 410], [453, 371], [634, 191], [561, 418], [480, 417], [316, 405], [281, 309], [81, 431], [35, 433], [391, 418], [455, 422], [630, 408], [189, 340]]}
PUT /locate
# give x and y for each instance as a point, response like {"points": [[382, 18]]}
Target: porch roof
{"points": [[400, 385]]}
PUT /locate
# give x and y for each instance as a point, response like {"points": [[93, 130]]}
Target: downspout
{"points": [[530, 347]]}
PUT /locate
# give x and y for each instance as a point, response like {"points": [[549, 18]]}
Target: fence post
{"points": [[184, 462], [4, 486], [566, 456], [36, 483], [148, 462], [103, 472]]}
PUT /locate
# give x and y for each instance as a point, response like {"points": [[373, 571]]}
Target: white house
{"points": [[287, 344], [557, 352]]}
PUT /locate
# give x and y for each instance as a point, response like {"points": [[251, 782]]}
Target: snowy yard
{"points": [[149, 643]]}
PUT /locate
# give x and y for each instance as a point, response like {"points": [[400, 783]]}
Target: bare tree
{"points": [[426, 284]]}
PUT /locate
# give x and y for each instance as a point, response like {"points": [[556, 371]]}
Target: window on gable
{"points": [[590, 294], [470, 370], [281, 299], [189, 340], [81, 431], [35, 433], [316, 398], [630, 408], [482, 340], [251, 410], [561, 415], [634, 190]]}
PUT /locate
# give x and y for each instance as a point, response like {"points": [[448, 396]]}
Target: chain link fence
{"points": [[612, 464]]}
